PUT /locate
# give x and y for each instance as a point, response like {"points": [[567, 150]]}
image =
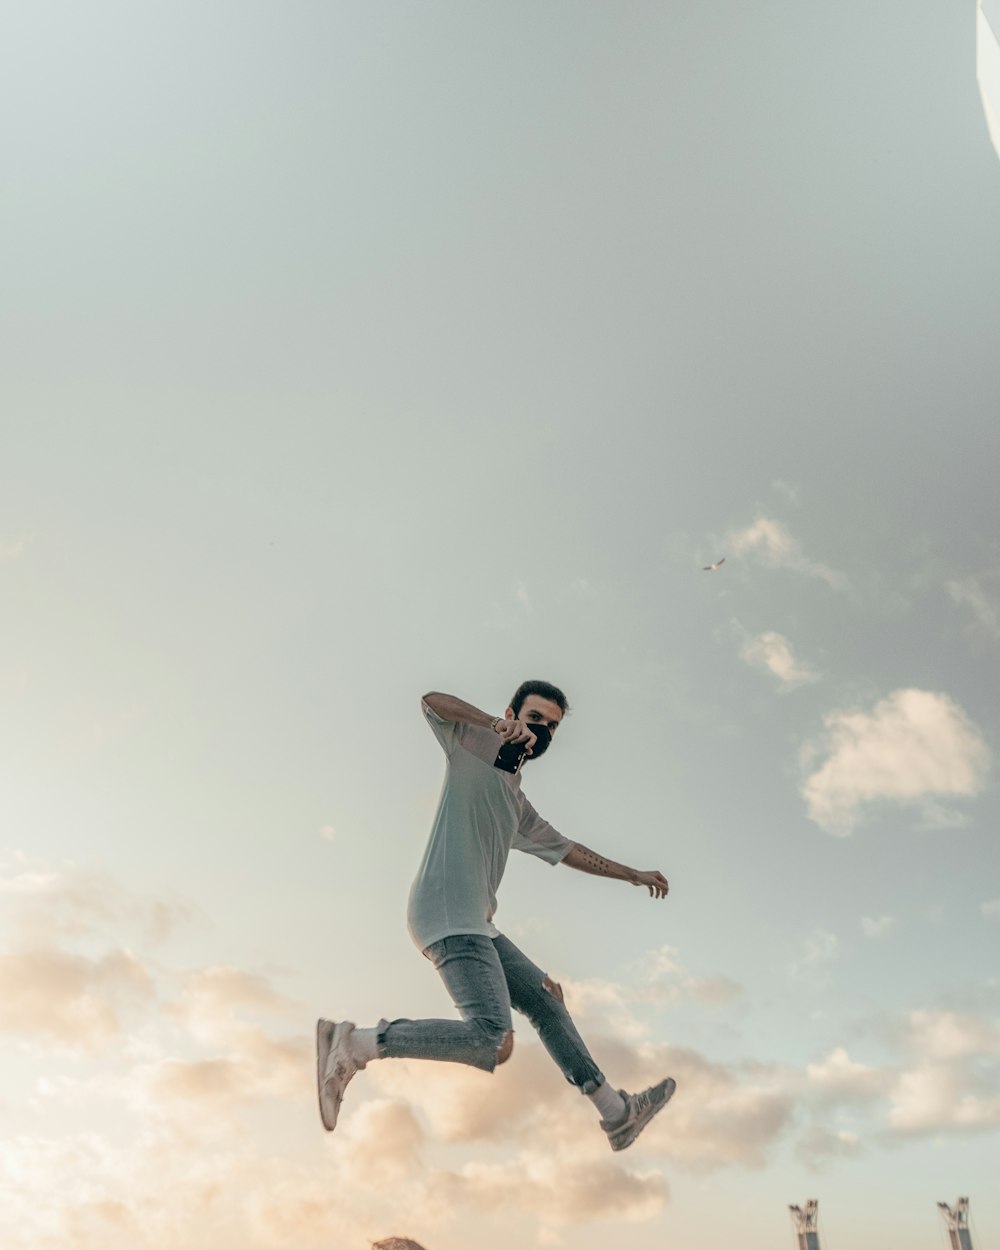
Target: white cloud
{"points": [[820, 948], [952, 1080], [771, 542], [52, 901], [259, 1067], [945, 1079], [971, 593], [951, 1035], [914, 746], [610, 1003], [839, 1079], [386, 1143], [991, 910], [722, 1115], [660, 977], [790, 492], [59, 996], [877, 926], [195, 1100], [558, 1190], [819, 1145], [936, 1098], [13, 550], [461, 1104], [772, 651]]}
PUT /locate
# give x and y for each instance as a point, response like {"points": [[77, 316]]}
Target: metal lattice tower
{"points": [[957, 1219], [805, 1225]]}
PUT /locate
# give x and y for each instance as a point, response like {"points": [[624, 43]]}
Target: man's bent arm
{"points": [[450, 708], [586, 860]]}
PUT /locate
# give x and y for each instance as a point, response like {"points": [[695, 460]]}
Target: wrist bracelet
{"points": [[494, 722]]}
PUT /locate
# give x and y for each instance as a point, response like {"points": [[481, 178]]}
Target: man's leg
{"points": [[470, 968], [535, 995], [547, 1014], [472, 972]]}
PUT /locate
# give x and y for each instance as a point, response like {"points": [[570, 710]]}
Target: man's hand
{"points": [[655, 882], [516, 731]]}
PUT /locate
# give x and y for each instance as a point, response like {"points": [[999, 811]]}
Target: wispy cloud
{"points": [[218, 1065], [914, 746], [770, 542], [557, 1190], [786, 489], [13, 549], [951, 1082], [658, 979], [877, 926], [972, 593], [821, 947], [772, 651], [80, 1002], [837, 1078], [819, 1145], [991, 910], [46, 900]]}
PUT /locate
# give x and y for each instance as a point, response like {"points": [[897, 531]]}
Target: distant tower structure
{"points": [[988, 64], [805, 1225], [957, 1219]]}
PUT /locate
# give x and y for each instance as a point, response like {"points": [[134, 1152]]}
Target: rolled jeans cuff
{"points": [[380, 1029]]}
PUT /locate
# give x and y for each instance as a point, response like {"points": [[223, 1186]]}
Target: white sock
{"points": [[364, 1044], [608, 1102]]}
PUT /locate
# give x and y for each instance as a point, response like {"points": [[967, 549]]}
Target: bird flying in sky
{"points": [[710, 568]]}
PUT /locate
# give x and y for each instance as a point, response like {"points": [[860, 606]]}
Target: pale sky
{"points": [[356, 350]]}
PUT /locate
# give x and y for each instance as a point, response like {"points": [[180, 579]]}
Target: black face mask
{"points": [[543, 736]]}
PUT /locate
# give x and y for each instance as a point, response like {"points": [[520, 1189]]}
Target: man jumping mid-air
{"points": [[481, 816]]}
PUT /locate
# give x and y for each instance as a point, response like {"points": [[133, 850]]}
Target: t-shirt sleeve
{"points": [[447, 732], [478, 741], [536, 836]]}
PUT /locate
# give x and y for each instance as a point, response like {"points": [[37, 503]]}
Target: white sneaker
{"points": [[335, 1065], [639, 1110]]}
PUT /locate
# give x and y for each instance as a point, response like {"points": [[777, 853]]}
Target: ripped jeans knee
{"points": [[492, 1044]]}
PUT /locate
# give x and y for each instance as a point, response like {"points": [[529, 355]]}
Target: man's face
{"points": [[536, 710]]}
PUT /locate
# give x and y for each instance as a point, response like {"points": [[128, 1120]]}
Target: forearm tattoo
{"points": [[596, 863]]}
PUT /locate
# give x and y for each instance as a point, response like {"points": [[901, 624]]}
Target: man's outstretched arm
{"points": [[586, 860], [450, 708]]}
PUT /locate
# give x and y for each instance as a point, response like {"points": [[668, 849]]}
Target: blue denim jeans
{"points": [[486, 977]]}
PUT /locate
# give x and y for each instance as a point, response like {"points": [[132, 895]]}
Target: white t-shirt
{"points": [[482, 814]]}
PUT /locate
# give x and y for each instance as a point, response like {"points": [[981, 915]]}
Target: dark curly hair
{"points": [[543, 688]]}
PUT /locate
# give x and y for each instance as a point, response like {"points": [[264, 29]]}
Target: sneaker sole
{"points": [[324, 1044], [627, 1141]]}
